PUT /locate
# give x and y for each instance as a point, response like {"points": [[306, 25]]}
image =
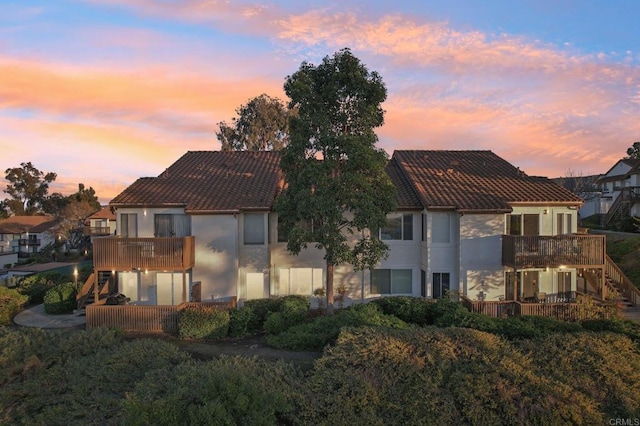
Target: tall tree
{"points": [[72, 221], [28, 188], [88, 195], [262, 125], [336, 187], [634, 150]]}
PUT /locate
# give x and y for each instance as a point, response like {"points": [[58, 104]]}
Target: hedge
{"points": [[60, 299]]}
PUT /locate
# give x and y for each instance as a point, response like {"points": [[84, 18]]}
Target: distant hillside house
{"points": [[22, 236]]}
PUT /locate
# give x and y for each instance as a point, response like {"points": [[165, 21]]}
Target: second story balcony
{"points": [[28, 242], [96, 231], [552, 251], [167, 253]]}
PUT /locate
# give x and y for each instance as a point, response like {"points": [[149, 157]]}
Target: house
{"points": [[466, 221], [22, 236], [101, 223], [618, 193]]}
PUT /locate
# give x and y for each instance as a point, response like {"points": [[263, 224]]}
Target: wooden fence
{"points": [[561, 311], [145, 318]]}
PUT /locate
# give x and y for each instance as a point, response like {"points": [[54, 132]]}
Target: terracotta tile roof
{"points": [[210, 181], [23, 224], [104, 213], [406, 197], [475, 181]]}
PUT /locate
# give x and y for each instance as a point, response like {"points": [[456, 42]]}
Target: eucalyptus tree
{"points": [[262, 125], [336, 188]]}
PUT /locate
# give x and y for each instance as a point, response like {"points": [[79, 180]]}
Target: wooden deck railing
{"points": [[96, 230], [562, 311], [145, 318], [170, 253], [623, 284], [541, 251]]}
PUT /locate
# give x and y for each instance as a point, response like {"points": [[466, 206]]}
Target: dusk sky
{"points": [[105, 91]]}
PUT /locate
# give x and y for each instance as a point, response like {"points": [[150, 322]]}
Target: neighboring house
{"points": [[466, 221], [23, 236], [619, 193], [101, 223]]}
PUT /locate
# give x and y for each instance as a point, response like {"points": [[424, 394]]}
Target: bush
{"points": [[242, 322], [409, 309], [628, 328], [531, 327], [293, 310], [11, 302], [325, 330], [372, 376], [36, 286], [261, 309], [227, 391], [60, 299], [203, 323]]}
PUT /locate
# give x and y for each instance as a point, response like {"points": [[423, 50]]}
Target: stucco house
{"points": [[467, 221], [22, 236], [101, 223], [618, 193]]}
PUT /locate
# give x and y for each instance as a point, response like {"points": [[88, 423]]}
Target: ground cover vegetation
{"points": [[376, 357]]}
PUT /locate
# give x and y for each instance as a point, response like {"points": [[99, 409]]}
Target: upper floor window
{"points": [[440, 228], [171, 225], [253, 228], [129, 225], [563, 224], [399, 227], [523, 224]]}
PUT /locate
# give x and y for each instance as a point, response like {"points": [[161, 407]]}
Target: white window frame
{"points": [[406, 221]]}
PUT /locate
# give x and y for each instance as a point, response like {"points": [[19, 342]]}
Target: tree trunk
{"points": [[329, 288]]}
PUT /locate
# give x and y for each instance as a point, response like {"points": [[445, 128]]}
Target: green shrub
{"points": [[293, 310], [372, 376], [412, 310], [36, 286], [242, 322], [531, 327], [11, 302], [51, 376], [227, 391], [203, 323], [262, 307], [60, 299], [627, 328], [325, 330]]}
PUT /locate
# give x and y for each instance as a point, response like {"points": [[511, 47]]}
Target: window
{"points": [[423, 283], [391, 281], [172, 225], [440, 228], [129, 225], [399, 227], [523, 224], [253, 228], [441, 284], [564, 284], [424, 227]]}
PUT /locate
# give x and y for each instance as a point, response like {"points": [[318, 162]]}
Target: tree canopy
{"points": [[634, 150], [28, 188], [262, 125], [336, 186]]}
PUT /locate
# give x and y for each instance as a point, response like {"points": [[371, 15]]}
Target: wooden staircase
{"points": [[618, 210], [86, 295], [627, 293]]}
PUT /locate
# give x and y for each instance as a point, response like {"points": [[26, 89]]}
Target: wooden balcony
{"points": [[168, 253], [552, 251], [96, 231]]}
